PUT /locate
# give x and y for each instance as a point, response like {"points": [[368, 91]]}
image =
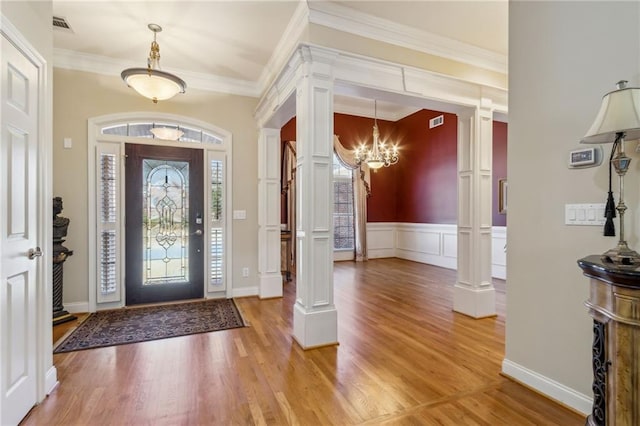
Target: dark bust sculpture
{"points": [[60, 225]]}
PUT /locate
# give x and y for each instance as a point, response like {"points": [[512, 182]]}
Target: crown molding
{"points": [[285, 47], [97, 64], [342, 18], [364, 77]]}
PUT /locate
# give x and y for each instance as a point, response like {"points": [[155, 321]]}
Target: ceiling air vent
{"points": [[436, 121], [60, 23]]}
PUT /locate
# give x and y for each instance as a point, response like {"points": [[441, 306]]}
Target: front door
{"points": [[164, 224], [18, 233]]}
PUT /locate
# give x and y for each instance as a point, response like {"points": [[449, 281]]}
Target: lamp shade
{"points": [[619, 113], [153, 84]]}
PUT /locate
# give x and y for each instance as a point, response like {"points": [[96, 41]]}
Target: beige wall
{"points": [[79, 96], [328, 37], [33, 20], [563, 57]]}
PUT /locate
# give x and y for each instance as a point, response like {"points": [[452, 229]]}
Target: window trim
{"points": [[95, 137]]}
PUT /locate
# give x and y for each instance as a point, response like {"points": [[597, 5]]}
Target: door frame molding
{"points": [[95, 124], [46, 373]]}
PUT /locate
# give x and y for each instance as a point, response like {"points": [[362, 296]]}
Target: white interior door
{"points": [[18, 233]]}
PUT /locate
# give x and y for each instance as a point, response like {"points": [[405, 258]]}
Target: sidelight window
{"points": [[343, 226]]}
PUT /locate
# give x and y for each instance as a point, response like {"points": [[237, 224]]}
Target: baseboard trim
{"points": [[77, 307], [552, 389], [51, 380], [245, 292]]}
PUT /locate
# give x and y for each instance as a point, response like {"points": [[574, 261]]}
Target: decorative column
{"points": [[269, 213], [315, 321], [474, 294]]}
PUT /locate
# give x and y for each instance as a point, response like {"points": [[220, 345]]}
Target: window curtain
{"points": [[361, 178], [288, 182]]}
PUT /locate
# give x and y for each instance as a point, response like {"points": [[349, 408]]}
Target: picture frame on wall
{"points": [[502, 196]]}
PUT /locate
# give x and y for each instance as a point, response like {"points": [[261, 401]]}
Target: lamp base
{"points": [[622, 255]]}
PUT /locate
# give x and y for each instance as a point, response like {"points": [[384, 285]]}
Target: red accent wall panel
{"points": [[499, 168], [422, 187], [288, 131], [427, 171]]}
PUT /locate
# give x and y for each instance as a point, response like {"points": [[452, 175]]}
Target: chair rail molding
{"points": [[433, 244]]}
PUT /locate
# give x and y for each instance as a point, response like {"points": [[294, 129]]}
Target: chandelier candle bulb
{"points": [[379, 155]]}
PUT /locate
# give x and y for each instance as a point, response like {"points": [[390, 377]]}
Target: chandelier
{"points": [[151, 82], [379, 155]]}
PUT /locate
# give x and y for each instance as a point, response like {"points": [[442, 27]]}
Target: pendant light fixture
{"points": [[379, 155], [151, 82]]}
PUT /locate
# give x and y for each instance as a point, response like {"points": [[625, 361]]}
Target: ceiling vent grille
{"points": [[436, 121], [60, 23]]}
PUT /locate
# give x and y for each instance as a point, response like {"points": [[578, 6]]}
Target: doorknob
{"points": [[198, 232], [33, 253]]}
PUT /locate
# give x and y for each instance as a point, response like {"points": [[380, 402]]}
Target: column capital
{"points": [[311, 61]]}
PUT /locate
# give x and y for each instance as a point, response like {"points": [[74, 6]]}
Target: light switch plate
{"points": [[584, 214], [239, 214]]}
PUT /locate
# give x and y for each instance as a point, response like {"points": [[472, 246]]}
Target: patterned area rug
{"points": [[132, 325]]}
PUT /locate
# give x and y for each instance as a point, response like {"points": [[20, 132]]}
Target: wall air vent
{"points": [[60, 23], [436, 121]]}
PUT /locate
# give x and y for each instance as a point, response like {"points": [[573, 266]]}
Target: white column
{"points": [[474, 294], [269, 213], [315, 319]]}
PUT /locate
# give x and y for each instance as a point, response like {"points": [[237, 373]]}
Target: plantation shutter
{"points": [[217, 281], [108, 223]]}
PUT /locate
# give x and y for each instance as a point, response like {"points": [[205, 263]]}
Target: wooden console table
{"points": [[614, 304]]}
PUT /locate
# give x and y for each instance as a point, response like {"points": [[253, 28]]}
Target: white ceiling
{"points": [[234, 40]]}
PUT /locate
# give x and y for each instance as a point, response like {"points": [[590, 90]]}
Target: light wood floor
{"points": [[404, 358]]}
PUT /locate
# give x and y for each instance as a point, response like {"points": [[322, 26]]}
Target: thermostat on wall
{"points": [[585, 157]]}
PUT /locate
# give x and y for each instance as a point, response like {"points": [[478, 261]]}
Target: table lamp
{"points": [[618, 118]]}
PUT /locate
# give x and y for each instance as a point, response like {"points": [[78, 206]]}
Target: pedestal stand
{"points": [[60, 254], [59, 314], [614, 304]]}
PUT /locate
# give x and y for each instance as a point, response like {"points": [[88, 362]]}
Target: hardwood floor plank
{"points": [[404, 358]]}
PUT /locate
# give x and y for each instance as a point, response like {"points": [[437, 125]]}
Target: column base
{"points": [[316, 328], [474, 302], [270, 286]]}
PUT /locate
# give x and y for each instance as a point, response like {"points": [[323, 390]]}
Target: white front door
{"points": [[18, 233]]}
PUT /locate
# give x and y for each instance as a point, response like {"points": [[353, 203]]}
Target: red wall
{"points": [[422, 187], [427, 174], [499, 168]]}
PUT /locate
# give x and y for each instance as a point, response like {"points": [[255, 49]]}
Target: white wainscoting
{"points": [[434, 244]]}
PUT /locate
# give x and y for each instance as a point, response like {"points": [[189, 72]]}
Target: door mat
{"points": [[133, 325]]}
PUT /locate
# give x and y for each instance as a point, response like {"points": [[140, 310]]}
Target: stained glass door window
{"points": [[164, 224], [165, 221]]}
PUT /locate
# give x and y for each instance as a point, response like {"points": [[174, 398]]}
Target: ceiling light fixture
{"points": [[151, 82], [167, 133], [379, 155]]}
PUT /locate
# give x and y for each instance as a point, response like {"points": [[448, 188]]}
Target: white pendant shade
{"points": [[619, 112], [151, 82]]}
